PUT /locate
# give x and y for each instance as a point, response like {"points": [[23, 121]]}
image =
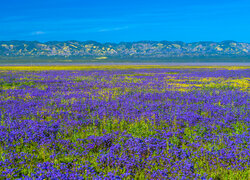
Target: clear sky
{"points": [[125, 20]]}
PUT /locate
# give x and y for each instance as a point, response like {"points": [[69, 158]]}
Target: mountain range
{"points": [[123, 50]]}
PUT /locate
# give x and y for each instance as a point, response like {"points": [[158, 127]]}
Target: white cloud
{"points": [[38, 33], [113, 29]]}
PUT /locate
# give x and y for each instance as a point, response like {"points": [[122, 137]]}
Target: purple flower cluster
{"points": [[135, 124]]}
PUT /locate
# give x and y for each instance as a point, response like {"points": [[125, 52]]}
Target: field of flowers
{"points": [[124, 123]]}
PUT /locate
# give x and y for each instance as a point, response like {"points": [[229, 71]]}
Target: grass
{"points": [[110, 67], [175, 121]]}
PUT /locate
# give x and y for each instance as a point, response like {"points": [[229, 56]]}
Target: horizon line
{"points": [[106, 42]]}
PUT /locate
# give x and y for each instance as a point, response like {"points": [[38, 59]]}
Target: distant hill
{"points": [[123, 50]]}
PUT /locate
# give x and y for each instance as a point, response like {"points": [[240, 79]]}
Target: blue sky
{"points": [[126, 20]]}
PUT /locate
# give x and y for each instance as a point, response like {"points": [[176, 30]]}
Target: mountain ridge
{"points": [[124, 50]]}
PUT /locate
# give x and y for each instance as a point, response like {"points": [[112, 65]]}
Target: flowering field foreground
{"points": [[125, 123]]}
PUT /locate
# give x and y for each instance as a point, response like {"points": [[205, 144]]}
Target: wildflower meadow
{"points": [[141, 122]]}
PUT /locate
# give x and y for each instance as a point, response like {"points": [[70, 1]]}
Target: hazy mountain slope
{"points": [[141, 49]]}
